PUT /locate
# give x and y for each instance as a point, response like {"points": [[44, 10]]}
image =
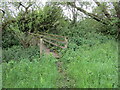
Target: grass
{"points": [[0, 68], [93, 67], [40, 73], [0, 76], [92, 64]]}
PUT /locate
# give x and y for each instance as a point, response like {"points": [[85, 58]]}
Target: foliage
{"points": [[108, 11], [83, 27], [90, 64], [0, 76], [8, 38], [40, 20], [18, 52], [40, 73], [90, 61], [92, 67], [87, 32]]}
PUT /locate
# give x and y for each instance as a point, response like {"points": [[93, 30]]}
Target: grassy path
{"points": [[63, 81]]}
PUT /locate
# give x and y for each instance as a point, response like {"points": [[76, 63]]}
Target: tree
{"points": [[29, 20], [107, 18]]}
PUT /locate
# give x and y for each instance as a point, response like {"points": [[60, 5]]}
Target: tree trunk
{"points": [[117, 8], [95, 17], [104, 9]]}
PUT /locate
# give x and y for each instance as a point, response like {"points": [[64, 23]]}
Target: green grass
{"points": [[93, 64], [93, 67], [40, 73], [0, 68], [0, 76], [18, 53]]}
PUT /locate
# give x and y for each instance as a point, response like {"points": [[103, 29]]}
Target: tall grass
{"points": [[40, 73], [91, 64], [93, 67], [0, 76]]}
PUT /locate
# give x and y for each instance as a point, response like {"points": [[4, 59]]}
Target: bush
{"points": [[8, 39], [18, 53]]}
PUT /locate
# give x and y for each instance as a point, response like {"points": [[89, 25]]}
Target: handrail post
{"points": [[41, 47], [66, 44]]}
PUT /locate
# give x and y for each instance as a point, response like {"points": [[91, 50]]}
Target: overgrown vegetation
{"points": [[18, 52], [89, 61], [40, 73], [92, 67]]}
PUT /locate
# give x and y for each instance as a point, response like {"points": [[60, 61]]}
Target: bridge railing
{"points": [[51, 39]]}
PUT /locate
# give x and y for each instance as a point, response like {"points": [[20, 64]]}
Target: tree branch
{"points": [[26, 8], [2, 12], [6, 23], [104, 9], [89, 14], [117, 8]]}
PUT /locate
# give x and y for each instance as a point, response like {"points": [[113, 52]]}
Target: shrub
{"points": [[8, 39], [18, 53]]}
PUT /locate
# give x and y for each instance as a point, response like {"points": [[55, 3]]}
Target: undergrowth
{"points": [[40, 73], [92, 67], [18, 53], [90, 64]]}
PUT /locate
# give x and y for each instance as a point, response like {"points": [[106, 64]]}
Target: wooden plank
{"points": [[52, 35], [41, 47], [38, 35], [66, 42], [58, 40], [53, 43], [42, 34]]}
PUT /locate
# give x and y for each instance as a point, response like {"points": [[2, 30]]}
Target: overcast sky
{"points": [[59, 0], [66, 11]]}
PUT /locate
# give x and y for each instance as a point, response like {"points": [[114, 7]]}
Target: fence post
{"points": [[41, 47], [66, 44]]}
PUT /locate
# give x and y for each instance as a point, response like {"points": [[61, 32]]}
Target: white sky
{"points": [[66, 11], [60, 0]]}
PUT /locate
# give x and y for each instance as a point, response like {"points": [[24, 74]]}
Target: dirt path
{"points": [[63, 81], [47, 51]]}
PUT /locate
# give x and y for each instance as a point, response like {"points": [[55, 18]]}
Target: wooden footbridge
{"points": [[55, 40]]}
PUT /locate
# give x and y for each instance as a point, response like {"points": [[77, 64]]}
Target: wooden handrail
{"points": [[52, 35], [66, 42], [41, 47], [58, 40], [53, 43], [38, 35], [44, 37], [42, 34]]}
